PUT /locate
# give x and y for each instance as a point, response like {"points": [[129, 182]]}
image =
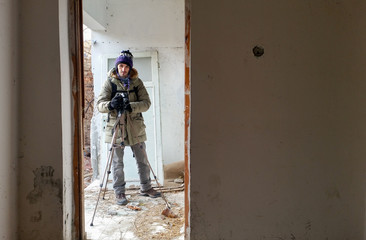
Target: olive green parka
{"points": [[133, 122]]}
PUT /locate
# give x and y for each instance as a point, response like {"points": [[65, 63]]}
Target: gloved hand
{"points": [[127, 104], [116, 103]]}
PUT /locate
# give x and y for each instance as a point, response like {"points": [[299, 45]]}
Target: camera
{"points": [[125, 102], [124, 96]]}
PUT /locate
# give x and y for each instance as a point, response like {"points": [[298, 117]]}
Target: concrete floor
{"points": [[114, 222]]}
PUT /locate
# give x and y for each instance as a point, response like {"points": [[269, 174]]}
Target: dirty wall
{"points": [[40, 182], [282, 158], [281, 152]]}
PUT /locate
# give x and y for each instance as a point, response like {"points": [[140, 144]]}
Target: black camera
{"points": [[125, 102], [124, 96]]}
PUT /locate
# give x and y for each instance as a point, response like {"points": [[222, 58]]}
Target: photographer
{"points": [[124, 92]]}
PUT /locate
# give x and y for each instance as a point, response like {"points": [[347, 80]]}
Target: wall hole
{"points": [[258, 51]]}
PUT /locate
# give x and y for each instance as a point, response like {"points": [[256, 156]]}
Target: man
{"points": [[124, 94]]}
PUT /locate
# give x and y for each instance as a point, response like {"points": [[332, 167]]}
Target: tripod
{"points": [[118, 126]]}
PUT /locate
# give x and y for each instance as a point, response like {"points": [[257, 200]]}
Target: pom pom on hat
{"points": [[125, 57]]}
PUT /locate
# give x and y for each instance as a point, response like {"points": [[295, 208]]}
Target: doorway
{"points": [[166, 137]]}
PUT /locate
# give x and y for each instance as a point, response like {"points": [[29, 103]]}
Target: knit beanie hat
{"points": [[125, 57]]}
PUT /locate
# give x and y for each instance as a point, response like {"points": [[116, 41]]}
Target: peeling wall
{"points": [[40, 161], [278, 140], [67, 125]]}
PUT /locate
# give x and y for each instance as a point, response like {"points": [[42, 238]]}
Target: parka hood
{"points": [[113, 73]]}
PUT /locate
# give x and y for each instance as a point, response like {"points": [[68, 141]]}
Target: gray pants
{"points": [[142, 166]]}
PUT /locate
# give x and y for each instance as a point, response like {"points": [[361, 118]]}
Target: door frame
{"points": [[75, 28], [155, 99], [187, 118]]}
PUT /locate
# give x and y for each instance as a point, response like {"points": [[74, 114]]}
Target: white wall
{"points": [[144, 26], [281, 152], [94, 15], [8, 118]]}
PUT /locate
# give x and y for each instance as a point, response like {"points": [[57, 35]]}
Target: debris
{"points": [[135, 208], [131, 191], [112, 212], [143, 224], [179, 180], [146, 222], [88, 175], [169, 213]]}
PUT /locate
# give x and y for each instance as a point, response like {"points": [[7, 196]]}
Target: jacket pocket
{"points": [[109, 128], [138, 127]]}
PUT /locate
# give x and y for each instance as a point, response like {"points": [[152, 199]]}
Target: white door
{"points": [[146, 64]]}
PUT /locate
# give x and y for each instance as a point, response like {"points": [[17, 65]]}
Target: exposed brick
{"points": [[88, 104]]}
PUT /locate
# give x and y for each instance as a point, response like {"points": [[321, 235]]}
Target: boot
{"points": [[150, 193], [121, 199]]}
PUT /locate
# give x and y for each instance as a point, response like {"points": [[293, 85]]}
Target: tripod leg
{"points": [[147, 160], [168, 210], [156, 180], [101, 185], [108, 172], [117, 128], [110, 155]]}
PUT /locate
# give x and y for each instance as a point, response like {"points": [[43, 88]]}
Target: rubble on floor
{"points": [[140, 219]]}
